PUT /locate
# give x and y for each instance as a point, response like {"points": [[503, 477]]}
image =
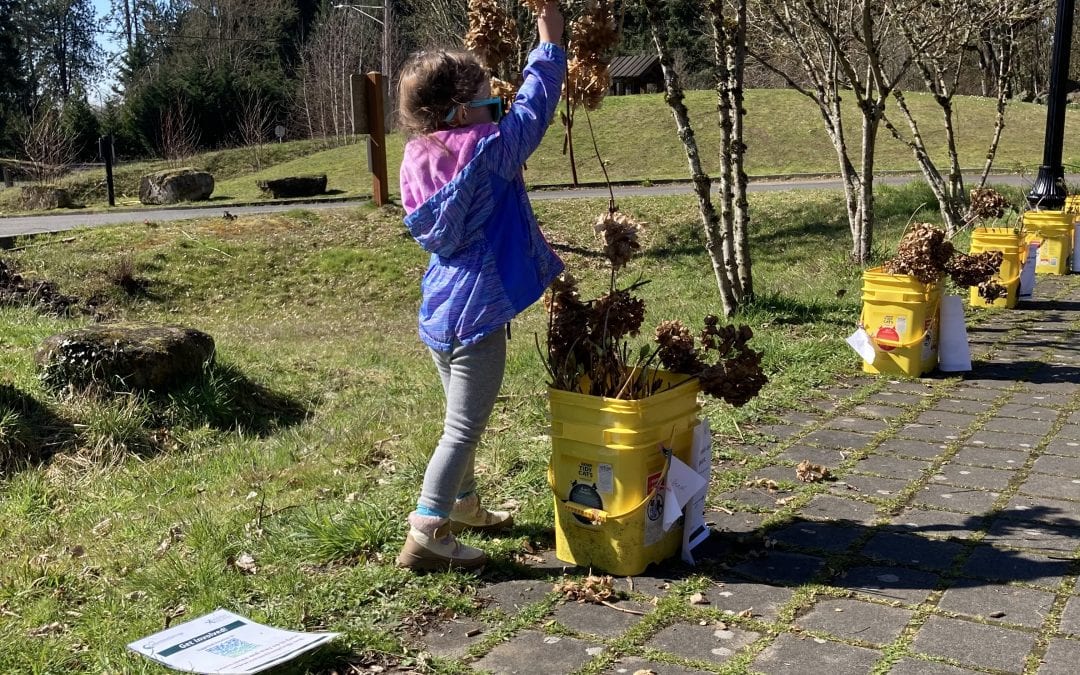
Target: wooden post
{"points": [[9, 180], [105, 148], [376, 105]]}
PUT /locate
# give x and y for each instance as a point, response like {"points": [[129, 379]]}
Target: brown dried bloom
{"points": [[593, 36], [677, 351], [619, 234], [735, 380], [974, 270], [988, 203], [492, 34], [616, 315], [923, 253], [992, 290]]}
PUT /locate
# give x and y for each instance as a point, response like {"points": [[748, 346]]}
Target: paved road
{"points": [[21, 225], [949, 543]]}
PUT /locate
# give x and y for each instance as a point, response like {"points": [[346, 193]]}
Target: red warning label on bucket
{"points": [[887, 333], [651, 482]]}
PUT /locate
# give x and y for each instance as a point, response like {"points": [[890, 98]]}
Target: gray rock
{"points": [[124, 356], [294, 186], [41, 197], [176, 185]]}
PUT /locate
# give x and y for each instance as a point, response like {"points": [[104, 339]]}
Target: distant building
{"points": [[640, 74]]}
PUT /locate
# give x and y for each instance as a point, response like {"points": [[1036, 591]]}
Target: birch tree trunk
{"points": [[673, 96], [723, 108], [737, 72]]}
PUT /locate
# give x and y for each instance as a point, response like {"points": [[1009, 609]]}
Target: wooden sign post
{"points": [[368, 104]]}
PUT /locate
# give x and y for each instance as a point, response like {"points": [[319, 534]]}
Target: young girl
{"points": [[465, 202]]}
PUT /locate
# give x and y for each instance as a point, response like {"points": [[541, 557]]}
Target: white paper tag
{"points": [[862, 344], [681, 486]]}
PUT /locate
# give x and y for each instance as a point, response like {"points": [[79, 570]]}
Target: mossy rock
{"points": [[176, 185], [125, 357], [44, 197]]}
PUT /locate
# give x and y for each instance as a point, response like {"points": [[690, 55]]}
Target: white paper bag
{"points": [[1027, 274], [1076, 248], [954, 352]]}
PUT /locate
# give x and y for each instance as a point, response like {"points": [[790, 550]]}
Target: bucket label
{"points": [[654, 519], [887, 333], [901, 325], [928, 340], [585, 471], [605, 478], [654, 512]]}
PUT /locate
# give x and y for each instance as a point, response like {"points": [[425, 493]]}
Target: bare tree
{"points": [[843, 46], [726, 238], [342, 44], [48, 144], [256, 118], [179, 134], [437, 23], [963, 25]]}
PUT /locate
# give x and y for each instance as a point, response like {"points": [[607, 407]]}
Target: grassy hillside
{"points": [[636, 137]]}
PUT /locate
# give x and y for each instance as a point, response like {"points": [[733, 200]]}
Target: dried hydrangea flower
{"points": [[616, 315], [923, 253], [677, 350], [974, 270], [593, 36], [492, 34], [988, 203], [619, 235]]}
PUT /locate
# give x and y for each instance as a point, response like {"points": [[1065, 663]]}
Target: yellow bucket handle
{"points": [[895, 343], [599, 516]]}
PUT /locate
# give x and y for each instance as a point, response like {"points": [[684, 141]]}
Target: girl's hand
{"points": [[550, 23]]}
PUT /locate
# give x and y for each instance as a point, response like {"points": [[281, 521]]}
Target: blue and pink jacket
{"points": [[465, 201]]}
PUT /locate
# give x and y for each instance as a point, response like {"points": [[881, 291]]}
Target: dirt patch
{"points": [[42, 295]]}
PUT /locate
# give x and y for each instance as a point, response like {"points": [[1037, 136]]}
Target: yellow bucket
{"points": [[1010, 243], [901, 315], [1055, 230], [609, 460]]}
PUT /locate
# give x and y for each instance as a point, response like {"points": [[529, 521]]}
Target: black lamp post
{"points": [[1049, 190]]}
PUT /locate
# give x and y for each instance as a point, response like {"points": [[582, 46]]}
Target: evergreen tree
{"points": [[14, 90], [61, 45]]}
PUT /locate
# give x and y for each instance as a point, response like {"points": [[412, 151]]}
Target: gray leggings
{"points": [[471, 377]]}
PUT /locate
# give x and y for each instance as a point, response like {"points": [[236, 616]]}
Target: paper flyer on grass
{"points": [[223, 642]]}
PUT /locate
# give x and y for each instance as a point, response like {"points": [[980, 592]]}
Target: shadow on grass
{"points": [[30, 432], [780, 309], [227, 400]]}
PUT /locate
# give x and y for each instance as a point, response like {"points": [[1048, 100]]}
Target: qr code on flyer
{"points": [[231, 647]]}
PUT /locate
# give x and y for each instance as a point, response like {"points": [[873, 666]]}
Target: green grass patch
{"points": [[305, 446]]}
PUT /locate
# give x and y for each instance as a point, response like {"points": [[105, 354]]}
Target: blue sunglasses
{"points": [[496, 108]]}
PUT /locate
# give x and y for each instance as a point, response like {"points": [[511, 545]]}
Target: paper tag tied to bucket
{"points": [[862, 344], [695, 531]]}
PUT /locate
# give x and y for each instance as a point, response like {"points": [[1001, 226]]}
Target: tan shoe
{"points": [[429, 549], [469, 513]]}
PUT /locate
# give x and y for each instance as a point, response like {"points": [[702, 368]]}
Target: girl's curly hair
{"points": [[431, 84]]}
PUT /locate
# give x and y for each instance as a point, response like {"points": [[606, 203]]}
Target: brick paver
{"points": [[949, 542]]}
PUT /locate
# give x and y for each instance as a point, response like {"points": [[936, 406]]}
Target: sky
{"points": [[102, 89]]}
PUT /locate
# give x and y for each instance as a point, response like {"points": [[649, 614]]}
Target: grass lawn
{"points": [[306, 446], [784, 133]]}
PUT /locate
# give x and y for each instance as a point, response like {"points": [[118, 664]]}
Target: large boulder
{"points": [[39, 197], [294, 186], [125, 357], [176, 185]]}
